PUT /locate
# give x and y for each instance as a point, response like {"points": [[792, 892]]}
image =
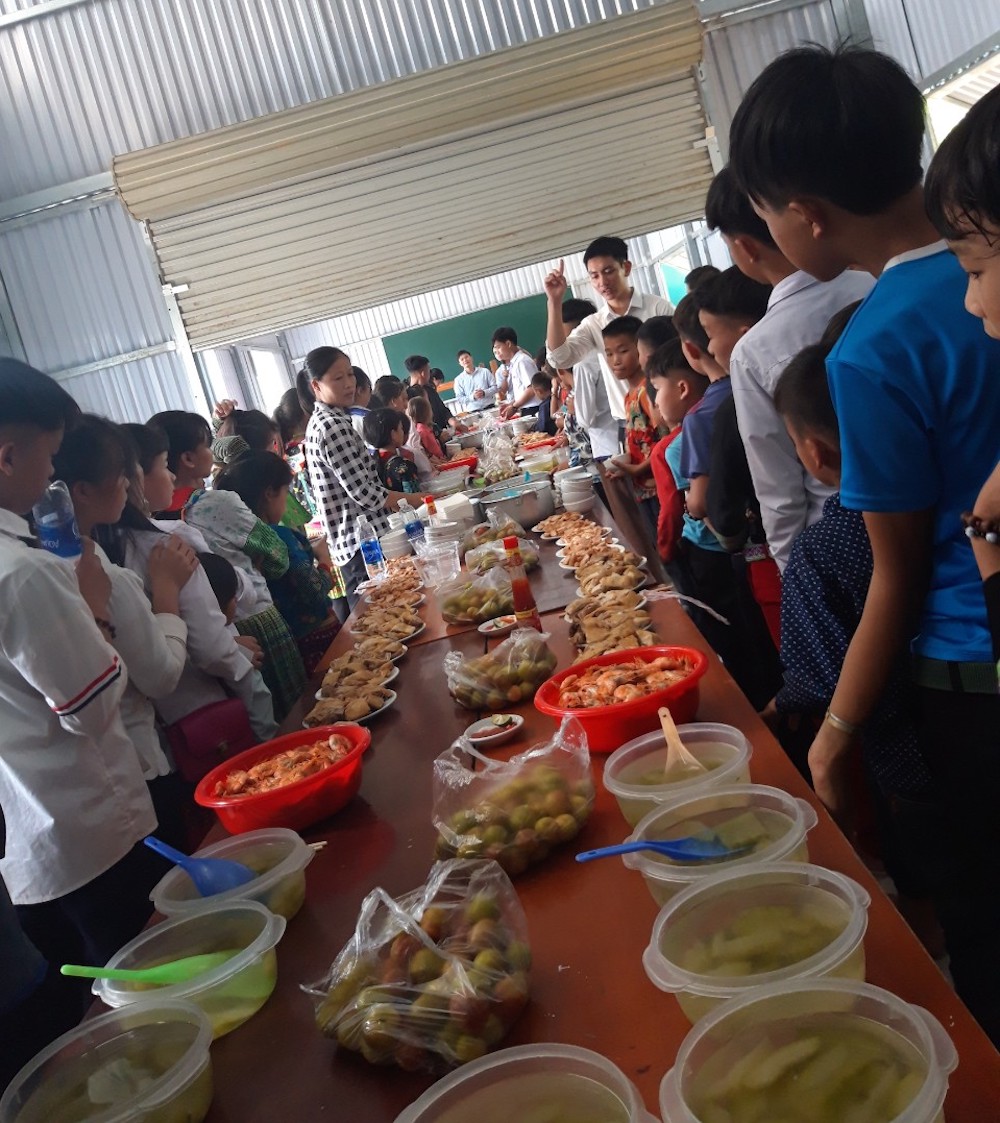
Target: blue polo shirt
{"points": [[916, 385], [694, 530], [699, 424]]}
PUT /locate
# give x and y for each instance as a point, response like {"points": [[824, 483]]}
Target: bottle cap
{"points": [[510, 543]]}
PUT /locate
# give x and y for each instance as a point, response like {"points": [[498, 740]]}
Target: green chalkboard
{"points": [[441, 342]]}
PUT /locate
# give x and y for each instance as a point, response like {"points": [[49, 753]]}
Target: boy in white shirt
{"points": [[521, 369], [71, 787]]}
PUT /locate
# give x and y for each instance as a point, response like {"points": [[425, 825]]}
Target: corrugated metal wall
{"points": [[737, 50], [929, 35]]}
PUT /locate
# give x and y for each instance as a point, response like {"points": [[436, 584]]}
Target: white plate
{"points": [[643, 601], [499, 626], [501, 735], [416, 633], [355, 630], [421, 599], [391, 658], [367, 717], [390, 677], [635, 588]]}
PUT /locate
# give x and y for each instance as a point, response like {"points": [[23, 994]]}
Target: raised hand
{"points": [[555, 284]]}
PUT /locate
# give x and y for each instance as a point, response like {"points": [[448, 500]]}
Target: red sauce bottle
{"points": [[525, 608]]}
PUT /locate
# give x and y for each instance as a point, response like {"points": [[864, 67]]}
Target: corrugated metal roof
{"points": [[115, 75], [927, 35], [82, 287], [135, 391]]}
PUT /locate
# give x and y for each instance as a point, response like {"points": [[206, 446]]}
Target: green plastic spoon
{"points": [[179, 971]]}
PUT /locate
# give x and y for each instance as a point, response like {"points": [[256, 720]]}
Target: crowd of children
{"points": [[811, 440]]}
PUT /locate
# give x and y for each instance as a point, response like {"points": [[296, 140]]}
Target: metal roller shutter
{"points": [[430, 180]]}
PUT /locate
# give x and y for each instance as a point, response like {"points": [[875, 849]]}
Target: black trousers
{"points": [[90, 924], [956, 840], [744, 644]]}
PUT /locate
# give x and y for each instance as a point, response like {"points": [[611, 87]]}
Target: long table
{"points": [[588, 924]]}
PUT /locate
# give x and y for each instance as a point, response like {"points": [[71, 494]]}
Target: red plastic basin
{"points": [[609, 727], [466, 462], [296, 805]]}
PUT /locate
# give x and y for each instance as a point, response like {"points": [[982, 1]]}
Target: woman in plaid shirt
{"points": [[344, 480]]}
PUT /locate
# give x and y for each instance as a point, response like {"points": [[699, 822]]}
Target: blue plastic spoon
{"points": [[210, 875], [680, 849]]}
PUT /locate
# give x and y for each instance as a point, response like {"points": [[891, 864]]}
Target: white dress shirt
{"points": [[154, 649], [72, 792], [593, 410], [468, 382], [520, 370], [586, 337], [798, 311]]}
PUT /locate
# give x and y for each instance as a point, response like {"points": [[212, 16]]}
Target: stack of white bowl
{"points": [[577, 489]]}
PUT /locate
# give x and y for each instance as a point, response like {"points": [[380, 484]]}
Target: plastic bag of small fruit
{"points": [[513, 811], [508, 674], [466, 599], [497, 527], [492, 554], [433, 979]]}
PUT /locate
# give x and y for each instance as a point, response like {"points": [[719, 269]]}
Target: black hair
{"points": [[505, 335], [540, 379], [379, 424], [289, 415], [622, 325], [255, 427], [28, 397], [686, 318], [464, 351], [149, 442], [92, 451], [315, 365], [185, 433], [802, 395], [734, 294], [728, 209], [387, 387], [656, 331], [962, 189], [416, 392], [221, 574], [699, 274], [845, 125], [437, 374], [607, 246], [576, 311], [669, 361], [361, 379], [414, 408], [414, 363], [252, 475]]}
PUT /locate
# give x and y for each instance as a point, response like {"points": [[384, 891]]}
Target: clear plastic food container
{"points": [[230, 993], [146, 1063], [278, 856], [836, 1049], [634, 773], [743, 928], [543, 1081], [770, 823]]}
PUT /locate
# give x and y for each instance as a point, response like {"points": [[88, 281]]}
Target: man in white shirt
{"points": [[798, 311], [475, 387], [521, 369], [593, 410], [608, 267]]}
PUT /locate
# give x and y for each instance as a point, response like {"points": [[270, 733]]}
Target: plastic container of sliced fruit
{"points": [[767, 823], [229, 993], [148, 1061], [277, 856], [849, 1050], [634, 773], [541, 1081], [744, 928]]}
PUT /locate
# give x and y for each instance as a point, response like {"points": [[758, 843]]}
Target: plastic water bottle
{"points": [[411, 523], [55, 523], [371, 549]]}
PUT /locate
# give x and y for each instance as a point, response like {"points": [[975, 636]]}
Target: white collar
{"points": [[787, 286], [13, 525], [915, 255]]}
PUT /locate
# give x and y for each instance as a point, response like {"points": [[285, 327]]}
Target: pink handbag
{"points": [[207, 737]]}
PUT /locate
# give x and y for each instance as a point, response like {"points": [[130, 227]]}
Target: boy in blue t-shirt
{"points": [[917, 396]]}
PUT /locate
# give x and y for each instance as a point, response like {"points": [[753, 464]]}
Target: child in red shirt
{"points": [[419, 411], [642, 420]]}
